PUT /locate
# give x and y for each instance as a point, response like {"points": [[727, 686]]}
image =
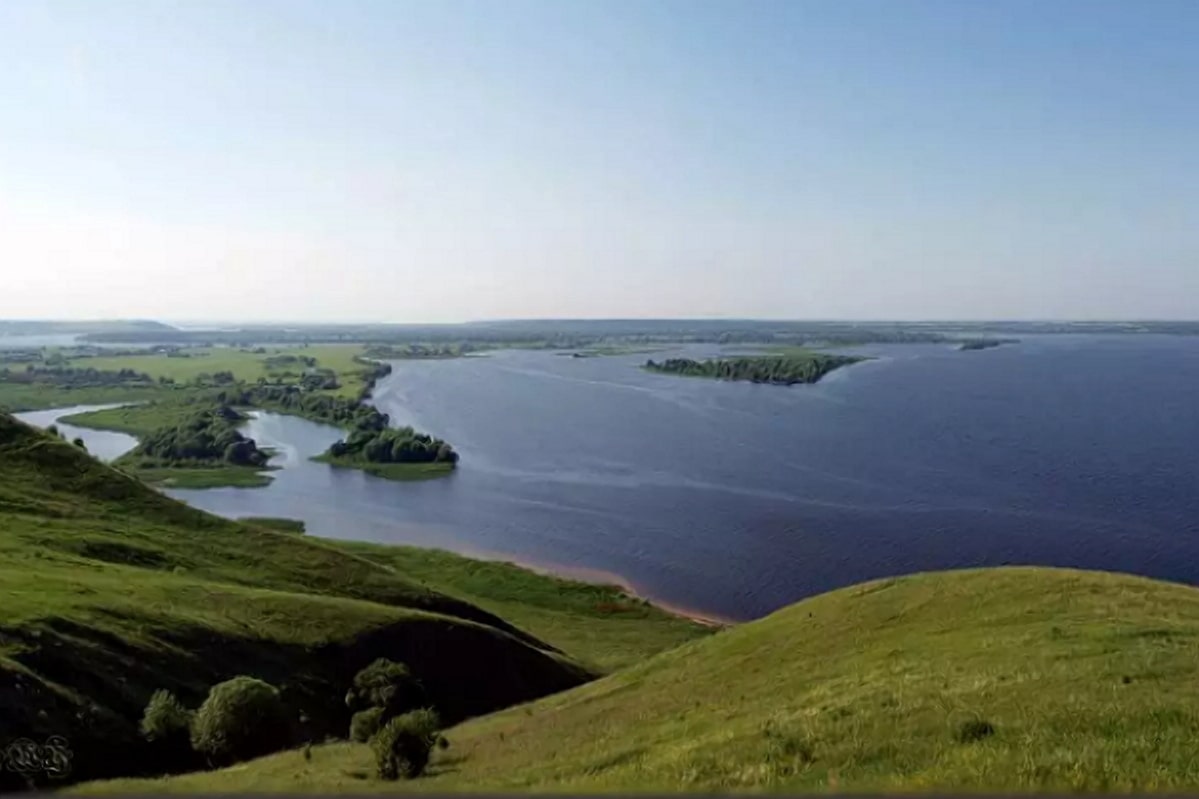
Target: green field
{"points": [[215, 477], [18, 397], [600, 624], [140, 420], [1014, 679], [245, 365], [110, 590]]}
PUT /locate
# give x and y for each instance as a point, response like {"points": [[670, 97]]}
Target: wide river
{"points": [[734, 499]]}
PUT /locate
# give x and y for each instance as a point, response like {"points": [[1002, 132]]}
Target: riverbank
{"points": [[605, 579]]}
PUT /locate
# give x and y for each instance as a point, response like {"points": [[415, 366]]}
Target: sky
{"points": [[449, 161]]}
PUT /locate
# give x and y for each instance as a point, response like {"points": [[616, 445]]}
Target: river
{"points": [[734, 499]]}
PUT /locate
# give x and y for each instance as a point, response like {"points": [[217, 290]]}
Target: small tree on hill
{"points": [[402, 748], [388, 685], [165, 717], [242, 718], [366, 723]]}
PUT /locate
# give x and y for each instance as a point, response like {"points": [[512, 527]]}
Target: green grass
{"points": [[141, 420], [1014, 679], [18, 397], [391, 471], [275, 523], [225, 476], [599, 624]]}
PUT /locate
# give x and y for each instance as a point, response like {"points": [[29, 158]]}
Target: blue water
{"points": [[735, 499]]}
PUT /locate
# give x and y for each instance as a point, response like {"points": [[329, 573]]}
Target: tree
{"points": [[403, 747], [79, 443], [365, 723], [165, 717], [242, 718], [388, 685]]}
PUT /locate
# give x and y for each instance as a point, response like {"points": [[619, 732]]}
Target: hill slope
{"points": [[1001, 679], [109, 591]]}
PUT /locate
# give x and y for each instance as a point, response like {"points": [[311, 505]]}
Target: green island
{"points": [[395, 453], [128, 615], [786, 370], [204, 450], [983, 343]]}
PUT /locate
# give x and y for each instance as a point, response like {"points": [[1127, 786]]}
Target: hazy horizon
{"points": [[403, 162]]}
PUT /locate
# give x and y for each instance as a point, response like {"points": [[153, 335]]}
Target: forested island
{"points": [[204, 450], [783, 370], [983, 343], [399, 453]]}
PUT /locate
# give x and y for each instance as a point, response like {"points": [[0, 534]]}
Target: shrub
{"points": [[403, 746], [242, 718], [165, 717], [976, 730], [366, 723], [388, 685]]}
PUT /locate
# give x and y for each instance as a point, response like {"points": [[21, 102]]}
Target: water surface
{"points": [[735, 499]]}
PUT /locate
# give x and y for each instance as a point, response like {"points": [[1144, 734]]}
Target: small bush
{"points": [[165, 717], [388, 685], [242, 718], [403, 746], [366, 723], [976, 730]]}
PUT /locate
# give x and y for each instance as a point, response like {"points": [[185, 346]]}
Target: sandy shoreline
{"points": [[599, 577]]}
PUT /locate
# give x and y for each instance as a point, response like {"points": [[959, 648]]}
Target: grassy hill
{"points": [[110, 590], [1003, 679]]}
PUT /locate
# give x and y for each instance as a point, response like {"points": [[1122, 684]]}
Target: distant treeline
{"points": [[777, 369], [208, 437], [74, 378]]}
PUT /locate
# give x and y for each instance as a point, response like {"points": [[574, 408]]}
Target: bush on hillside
{"points": [[165, 717], [388, 685], [366, 723], [241, 719], [402, 748], [166, 725]]}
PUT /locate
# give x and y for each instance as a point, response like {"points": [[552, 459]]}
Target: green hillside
{"points": [[110, 590], [1003, 679]]}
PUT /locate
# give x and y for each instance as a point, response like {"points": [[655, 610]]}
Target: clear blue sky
{"points": [[443, 161]]}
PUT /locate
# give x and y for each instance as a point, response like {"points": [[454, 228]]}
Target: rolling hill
{"points": [[1015, 679]]}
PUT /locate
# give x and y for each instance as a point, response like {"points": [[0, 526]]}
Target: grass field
{"points": [[226, 476], [244, 364], [1015, 679], [599, 624], [141, 420], [18, 397]]}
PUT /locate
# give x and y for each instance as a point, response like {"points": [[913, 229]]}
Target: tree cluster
{"points": [[209, 436], [74, 378], [393, 445], [393, 715], [242, 718], [778, 369]]}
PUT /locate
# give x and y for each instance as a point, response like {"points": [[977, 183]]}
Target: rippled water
{"points": [[735, 499]]}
